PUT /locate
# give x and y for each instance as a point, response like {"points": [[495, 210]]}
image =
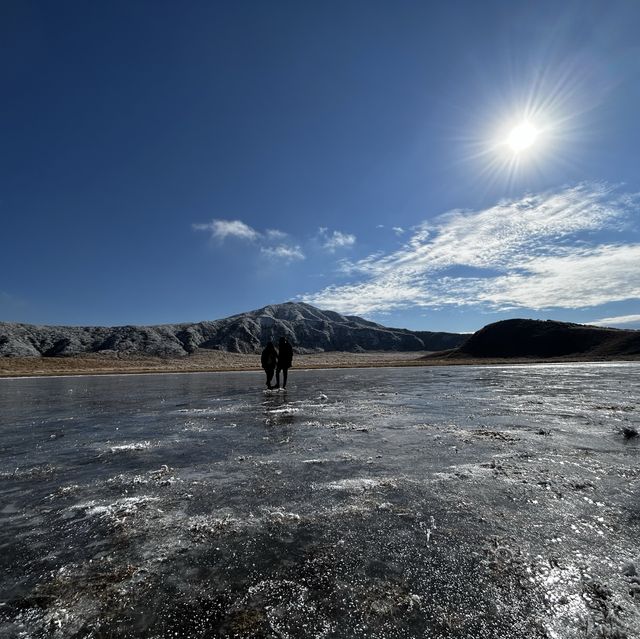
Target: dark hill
{"points": [[548, 339], [308, 328]]}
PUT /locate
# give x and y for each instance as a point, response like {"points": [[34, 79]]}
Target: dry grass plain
{"points": [[202, 361], [212, 361]]}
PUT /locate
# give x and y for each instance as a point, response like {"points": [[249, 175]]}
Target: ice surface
{"points": [[462, 502]]}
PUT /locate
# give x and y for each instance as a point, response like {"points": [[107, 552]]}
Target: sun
{"points": [[522, 137], [530, 130]]}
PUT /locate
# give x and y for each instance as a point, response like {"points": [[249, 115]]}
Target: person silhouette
{"points": [[285, 357], [268, 361]]}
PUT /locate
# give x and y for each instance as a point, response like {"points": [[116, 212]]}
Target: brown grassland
{"points": [[212, 361]]}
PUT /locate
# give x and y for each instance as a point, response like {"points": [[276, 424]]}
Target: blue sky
{"points": [[166, 162]]}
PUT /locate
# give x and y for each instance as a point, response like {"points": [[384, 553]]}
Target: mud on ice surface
{"points": [[468, 502]]}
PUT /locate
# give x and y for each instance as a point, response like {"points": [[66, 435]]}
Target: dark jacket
{"points": [[269, 356], [285, 354]]}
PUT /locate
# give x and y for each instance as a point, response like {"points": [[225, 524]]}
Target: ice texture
{"points": [[458, 502]]}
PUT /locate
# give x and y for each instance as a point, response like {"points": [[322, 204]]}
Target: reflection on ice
{"points": [[461, 503]]}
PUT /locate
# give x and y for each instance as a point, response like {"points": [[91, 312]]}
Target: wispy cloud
{"points": [[271, 240], [614, 321], [275, 234], [221, 229], [539, 251], [284, 252], [335, 239], [398, 230]]}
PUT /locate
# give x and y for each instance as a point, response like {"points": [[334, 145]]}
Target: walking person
{"points": [[268, 361], [285, 357]]}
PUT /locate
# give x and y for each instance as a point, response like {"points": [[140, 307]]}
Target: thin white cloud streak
{"points": [[398, 230], [275, 234], [585, 278], [536, 252], [620, 319], [222, 229], [335, 240], [284, 252]]}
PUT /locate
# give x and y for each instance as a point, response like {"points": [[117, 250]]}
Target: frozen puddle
{"points": [[118, 510], [465, 503], [131, 447], [354, 485]]}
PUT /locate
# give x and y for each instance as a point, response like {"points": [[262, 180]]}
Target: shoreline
{"points": [[221, 362]]}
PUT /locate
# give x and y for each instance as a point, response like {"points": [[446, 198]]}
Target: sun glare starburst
{"points": [[522, 137], [529, 128]]}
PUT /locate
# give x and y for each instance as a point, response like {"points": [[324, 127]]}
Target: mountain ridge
{"points": [[308, 328]]}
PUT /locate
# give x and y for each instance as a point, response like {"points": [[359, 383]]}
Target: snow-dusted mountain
{"points": [[307, 328]]}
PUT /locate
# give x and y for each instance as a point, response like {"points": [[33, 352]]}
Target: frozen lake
{"points": [[466, 502]]}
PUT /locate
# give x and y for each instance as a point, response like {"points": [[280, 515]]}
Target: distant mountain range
{"points": [[309, 329], [548, 339]]}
